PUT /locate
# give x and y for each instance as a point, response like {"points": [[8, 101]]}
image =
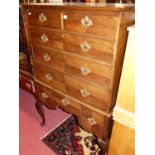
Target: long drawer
{"points": [[46, 37], [97, 49], [94, 96], [48, 57], [89, 70], [50, 77], [45, 18], [100, 25]]}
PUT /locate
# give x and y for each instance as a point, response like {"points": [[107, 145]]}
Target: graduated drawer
{"points": [[89, 70], [49, 76], [26, 84], [100, 25], [49, 96], [48, 57], [44, 18], [47, 38], [96, 123], [96, 97], [97, 49]]}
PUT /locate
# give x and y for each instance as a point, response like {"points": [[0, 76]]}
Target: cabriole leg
{"points": [[40, 110]]}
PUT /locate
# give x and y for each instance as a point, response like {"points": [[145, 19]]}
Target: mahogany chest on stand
{"points": [[77, 53]]}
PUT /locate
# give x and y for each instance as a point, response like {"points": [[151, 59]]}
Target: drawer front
{"points": [[89, 70], [44, 18], [48, 57], [100, 25], [97, 49], [26, 84], [96, 123], [47, 38], [50, 77], [49, 96], [70, 106], [46, 96], [94, 96]]}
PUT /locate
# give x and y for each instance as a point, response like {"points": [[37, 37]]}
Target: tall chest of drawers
{"points": [[77, 54]]}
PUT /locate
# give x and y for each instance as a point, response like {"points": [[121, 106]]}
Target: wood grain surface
{"points": [[89, 36]]}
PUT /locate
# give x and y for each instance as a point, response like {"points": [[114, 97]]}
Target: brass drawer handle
{"points": [[65, 17], [49, 77], [42, 18], [91, 121], [47, 57], [44, 38], [85, 70], [28, 85], [65, 102], [85, 47], [44, 95], [86, 22], [29, 13], [84, 92]]}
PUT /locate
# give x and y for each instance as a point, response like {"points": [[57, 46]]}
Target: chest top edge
{"points": [[97, 7]]}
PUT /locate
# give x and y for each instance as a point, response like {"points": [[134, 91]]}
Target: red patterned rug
{"points": [[69, 139]]}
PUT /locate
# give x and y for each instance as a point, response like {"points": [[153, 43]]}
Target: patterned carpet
{"points": [[69, 139]]}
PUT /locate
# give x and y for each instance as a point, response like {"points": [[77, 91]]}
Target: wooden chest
{"points": [[78, 53]]}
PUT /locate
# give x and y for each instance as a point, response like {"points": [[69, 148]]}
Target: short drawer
{"points": [[45, 18], [94, 96], [46, 96], [97, 49], [26, 84], [50, 97], [99, 25], [89, 70], [50, 77], [48, 57], [47, 38], [70, 106], [96, 123]]}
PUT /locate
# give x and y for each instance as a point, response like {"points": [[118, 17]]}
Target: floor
{"points": [[29, 125]]}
